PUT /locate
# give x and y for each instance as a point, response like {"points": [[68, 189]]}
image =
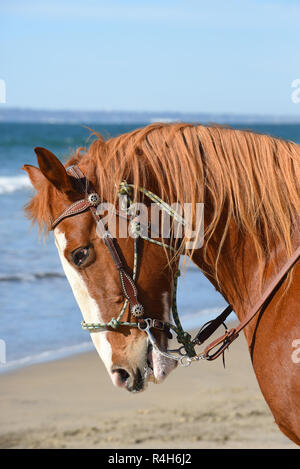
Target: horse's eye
{"points": [[80, 255]]}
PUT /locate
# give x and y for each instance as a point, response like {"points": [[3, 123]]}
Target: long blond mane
{"points": [[249, 178]]}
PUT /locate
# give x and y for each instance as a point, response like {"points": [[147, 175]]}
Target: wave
{"points": [[46, 356], [9, 184], [30, 276]]}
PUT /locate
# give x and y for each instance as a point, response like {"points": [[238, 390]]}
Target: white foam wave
{"points": [[9, 184], [29, 276], [46, 356]]}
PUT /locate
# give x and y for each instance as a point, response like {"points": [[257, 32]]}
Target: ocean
{"points": [[39, 317]]}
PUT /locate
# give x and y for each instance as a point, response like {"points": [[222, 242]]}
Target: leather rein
{"points": [[186, 353]]}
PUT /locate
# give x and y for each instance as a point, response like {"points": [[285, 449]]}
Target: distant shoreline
{"points": [[24, 115]]}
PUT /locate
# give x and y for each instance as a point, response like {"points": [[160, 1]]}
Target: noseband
{"points": [[186, 353]]}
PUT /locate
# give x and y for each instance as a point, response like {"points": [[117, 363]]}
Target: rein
{"points": [[186, 353]]}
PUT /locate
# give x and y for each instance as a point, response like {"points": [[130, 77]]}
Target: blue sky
{"points": [[199, 56]]}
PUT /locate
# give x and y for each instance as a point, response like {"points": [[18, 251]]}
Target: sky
{"points": [[191, 56]]}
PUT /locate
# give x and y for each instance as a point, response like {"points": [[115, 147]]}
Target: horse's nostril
{"points": [[133, 381], [123, 375]]}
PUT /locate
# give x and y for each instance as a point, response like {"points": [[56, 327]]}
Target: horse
{"points": [[249, 184]]}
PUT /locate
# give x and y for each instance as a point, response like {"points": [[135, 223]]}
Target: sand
{"points": [[71, 403]]}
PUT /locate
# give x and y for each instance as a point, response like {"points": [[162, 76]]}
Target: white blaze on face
{"points": [[87, 304]]}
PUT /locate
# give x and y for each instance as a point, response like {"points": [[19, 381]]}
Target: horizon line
{"points": [[144, 111]]}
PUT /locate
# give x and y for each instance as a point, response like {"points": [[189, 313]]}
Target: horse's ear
{"points": [[53, 169], [35, 175]]}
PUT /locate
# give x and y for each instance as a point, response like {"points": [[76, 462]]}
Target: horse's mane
{"points": [[250, 178]]}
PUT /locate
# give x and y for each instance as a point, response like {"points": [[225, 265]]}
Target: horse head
{"points": [[97, 284]]}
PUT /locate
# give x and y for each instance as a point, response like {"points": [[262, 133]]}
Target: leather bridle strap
{"points": [[128, 286], [230, 335], [77, 207]]}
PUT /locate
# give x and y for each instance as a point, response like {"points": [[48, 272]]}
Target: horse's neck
{"points": [[240, 277]]}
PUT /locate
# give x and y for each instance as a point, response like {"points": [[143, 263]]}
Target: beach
{"points": [[71, 403]]}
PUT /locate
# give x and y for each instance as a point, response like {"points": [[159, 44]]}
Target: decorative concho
{"points": [[137, 310], [94, 199]]}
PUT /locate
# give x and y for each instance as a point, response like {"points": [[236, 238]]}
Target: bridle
{"points": [[90, 202], [186, 353]]}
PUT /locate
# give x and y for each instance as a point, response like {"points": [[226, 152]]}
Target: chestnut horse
{"points": [[249, 184]]}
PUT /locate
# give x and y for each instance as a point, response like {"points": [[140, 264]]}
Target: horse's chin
{"points": [[159, 367]]}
